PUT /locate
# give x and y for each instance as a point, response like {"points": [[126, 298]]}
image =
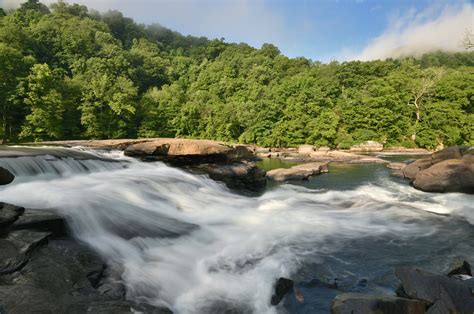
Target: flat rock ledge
{"points": [[307, 153], [298, 172]]}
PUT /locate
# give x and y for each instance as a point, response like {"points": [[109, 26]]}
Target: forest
{"points": [[67, 72]]}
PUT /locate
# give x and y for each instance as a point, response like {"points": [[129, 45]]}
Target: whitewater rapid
{"points": [[187, 242]]}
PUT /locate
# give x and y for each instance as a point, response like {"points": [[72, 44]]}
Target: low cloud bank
{"points": [[416, 33]]}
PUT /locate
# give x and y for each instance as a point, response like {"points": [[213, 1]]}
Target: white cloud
{"points": [[415, 33]]}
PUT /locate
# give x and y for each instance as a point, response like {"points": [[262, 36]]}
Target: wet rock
{"points": [[357, 303], [41, 220], [368, 146], [461, 268], [452, 175], [298, 172], [6, 177], [282, 287], [9, 214], [17, 246], [244, 175], [431, 288]]}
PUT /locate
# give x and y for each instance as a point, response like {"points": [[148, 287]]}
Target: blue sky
{"points": [[316, 29]]}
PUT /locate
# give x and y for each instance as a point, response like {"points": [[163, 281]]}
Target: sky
{"points": [[322, 30]]}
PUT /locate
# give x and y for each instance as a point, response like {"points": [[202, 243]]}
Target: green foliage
{"points": [[67, 72]]}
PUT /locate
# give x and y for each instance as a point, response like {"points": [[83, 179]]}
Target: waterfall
{"points": [[187, 242]]}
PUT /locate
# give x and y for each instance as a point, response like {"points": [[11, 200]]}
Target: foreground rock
{"points": [[449, 170], [358, 303], [441, 293], [299, 172], [44, 270]]}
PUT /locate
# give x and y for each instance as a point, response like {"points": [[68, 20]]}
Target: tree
{"points": [[45, 104], [13, 66]]}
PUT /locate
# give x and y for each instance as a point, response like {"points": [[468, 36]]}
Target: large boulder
{"points": [[447, 293], [187, 151], [357, 303], [298, 172], [367, 147], [6, 177], [452, 175]]}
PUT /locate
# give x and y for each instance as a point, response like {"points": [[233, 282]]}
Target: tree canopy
{"points": [[68, 72]]}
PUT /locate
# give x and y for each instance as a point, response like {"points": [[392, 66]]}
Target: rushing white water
{"points": [[187, 242]]}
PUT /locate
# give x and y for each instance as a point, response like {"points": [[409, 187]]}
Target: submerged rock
{"points": [[460, 268], [358, 303], [282, 287], [298, 172], [6, 177]]}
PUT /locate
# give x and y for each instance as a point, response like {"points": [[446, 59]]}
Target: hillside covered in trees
{"points": [[68, 73]]}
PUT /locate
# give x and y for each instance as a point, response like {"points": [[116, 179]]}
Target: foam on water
{"points": [[187, 242]]}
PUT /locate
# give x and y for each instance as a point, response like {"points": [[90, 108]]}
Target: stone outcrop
{"points": [[298, 172], [243, 175], [367, 147], [185, 150], [445, 294], [358, 303], [449, 170], [44, 270]]}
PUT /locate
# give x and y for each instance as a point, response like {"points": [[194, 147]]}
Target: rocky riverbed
{"points": [[60, 268]]}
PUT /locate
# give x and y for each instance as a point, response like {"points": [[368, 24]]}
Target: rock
{"points": [[411, 170], [282, 287], [452, 175], [182, 151], [461, 268], [243, 175], [305, 149], [262, 150], [9, 214], [357, 303], [431, 288], [298, 172], [16, 248], [6, 177], [396, 165], [369, 146], [323, 149]]}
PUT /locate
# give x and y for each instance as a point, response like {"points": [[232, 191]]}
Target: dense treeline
{"points": [[66, 72]]}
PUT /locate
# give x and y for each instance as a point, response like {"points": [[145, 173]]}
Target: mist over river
{"points": [[189, 243]]}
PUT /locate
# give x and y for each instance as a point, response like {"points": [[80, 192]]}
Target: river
{"points": [[187, 242]]}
